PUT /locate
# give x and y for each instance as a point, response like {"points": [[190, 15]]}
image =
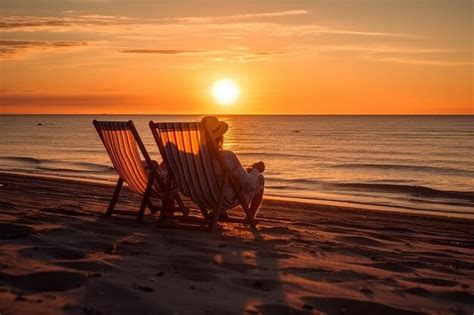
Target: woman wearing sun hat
{"points": [[251, 180]]}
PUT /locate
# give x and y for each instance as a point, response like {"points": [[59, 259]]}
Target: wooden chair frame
{"points": [[153, 168], [211, 221]]}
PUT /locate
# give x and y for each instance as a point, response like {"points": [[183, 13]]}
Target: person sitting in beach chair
{"points": [[250, 180], [213, 178], [144, 177]]}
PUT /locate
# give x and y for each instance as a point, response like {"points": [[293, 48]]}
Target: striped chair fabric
{"points": [[122, 147], [184, 147]]}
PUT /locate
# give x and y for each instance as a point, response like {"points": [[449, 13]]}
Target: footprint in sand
{"points": [[93, 266], [258, 284], [52, 252], [238, 267], [270, 309], [417, 291], [360, 240], [433, 281], [44, 281], [392, 266], [328, 275], [347, 306], [278, 230], [13, 231], [189, 272], [7, 205]]}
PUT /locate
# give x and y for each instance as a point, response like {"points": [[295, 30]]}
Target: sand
{"points": [[58, 254]]}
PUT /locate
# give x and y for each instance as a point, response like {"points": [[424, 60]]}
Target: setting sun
{"points": [[225, 91]]}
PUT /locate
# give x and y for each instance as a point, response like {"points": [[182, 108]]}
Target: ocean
{"points": [[410, 163]]}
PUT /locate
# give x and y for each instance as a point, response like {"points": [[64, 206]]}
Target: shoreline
{"points": [[297, 200]]}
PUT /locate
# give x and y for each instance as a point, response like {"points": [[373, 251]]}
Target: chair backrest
{"points": [[121, 140], [184, 148]]}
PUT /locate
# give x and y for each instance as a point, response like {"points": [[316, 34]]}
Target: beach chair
{"points": [[122, 142], [186, 152]]}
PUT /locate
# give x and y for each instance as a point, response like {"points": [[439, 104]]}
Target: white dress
{"points": [[251, 182]]}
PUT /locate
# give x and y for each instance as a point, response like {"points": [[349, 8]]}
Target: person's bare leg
{"points": [[256, 203]]}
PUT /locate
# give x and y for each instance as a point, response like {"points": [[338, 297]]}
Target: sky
{"points": [[287, 57]]}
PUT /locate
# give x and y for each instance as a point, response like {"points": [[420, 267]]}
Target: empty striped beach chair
{"points": [[188, 156], [122, 142]]}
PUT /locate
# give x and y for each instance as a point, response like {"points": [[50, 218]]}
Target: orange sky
{"points": [[304, 57]]}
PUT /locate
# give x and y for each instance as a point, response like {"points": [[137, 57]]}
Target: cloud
{"points": [[32, 22], [228, 25], [15, 48], [163, 51], [210, 19], [238, 54], [421, 61], [118, 31], [387, 53], [51, 99]]}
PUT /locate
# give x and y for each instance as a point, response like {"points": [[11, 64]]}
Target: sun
{"points": [[225, 91]]}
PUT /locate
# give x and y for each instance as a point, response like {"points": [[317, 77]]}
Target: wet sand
{"points": [[58, 254]]}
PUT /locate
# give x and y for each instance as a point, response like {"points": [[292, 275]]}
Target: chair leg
{"points": [[217, 212], [184, 209], [146, 196], [115, 196], [215, 219], [165, 199], [204, 212]]}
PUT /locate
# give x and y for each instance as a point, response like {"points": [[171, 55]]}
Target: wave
{"points": [[275, 155], [294, 180], [56, 165], [420, 191], [421, 168], [381, 187], [20, 159]]}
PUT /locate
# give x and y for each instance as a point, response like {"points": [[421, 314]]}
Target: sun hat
{"points": [[215, 127]]}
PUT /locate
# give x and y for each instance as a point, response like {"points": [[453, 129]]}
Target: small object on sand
{"points": [[160, 274], [40, 124], [296, 131]]}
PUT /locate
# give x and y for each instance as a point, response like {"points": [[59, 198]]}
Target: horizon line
{"points": [[222, 114]]}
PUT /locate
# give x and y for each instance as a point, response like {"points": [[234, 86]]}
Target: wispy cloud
{"points": [[247, 16], [228, 25], [238, 54], [31, 22], [117, 32], [422, 61], [163, 51], [51, 99], [387, 53], [15, 48]]}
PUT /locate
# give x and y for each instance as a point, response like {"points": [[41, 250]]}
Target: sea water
{"points": [[418, 163]]}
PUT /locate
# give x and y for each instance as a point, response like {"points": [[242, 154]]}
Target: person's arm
{"points": [[244, 177]]}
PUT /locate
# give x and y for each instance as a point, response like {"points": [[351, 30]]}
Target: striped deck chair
{"points": [[186, 151], [121, 140]]}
